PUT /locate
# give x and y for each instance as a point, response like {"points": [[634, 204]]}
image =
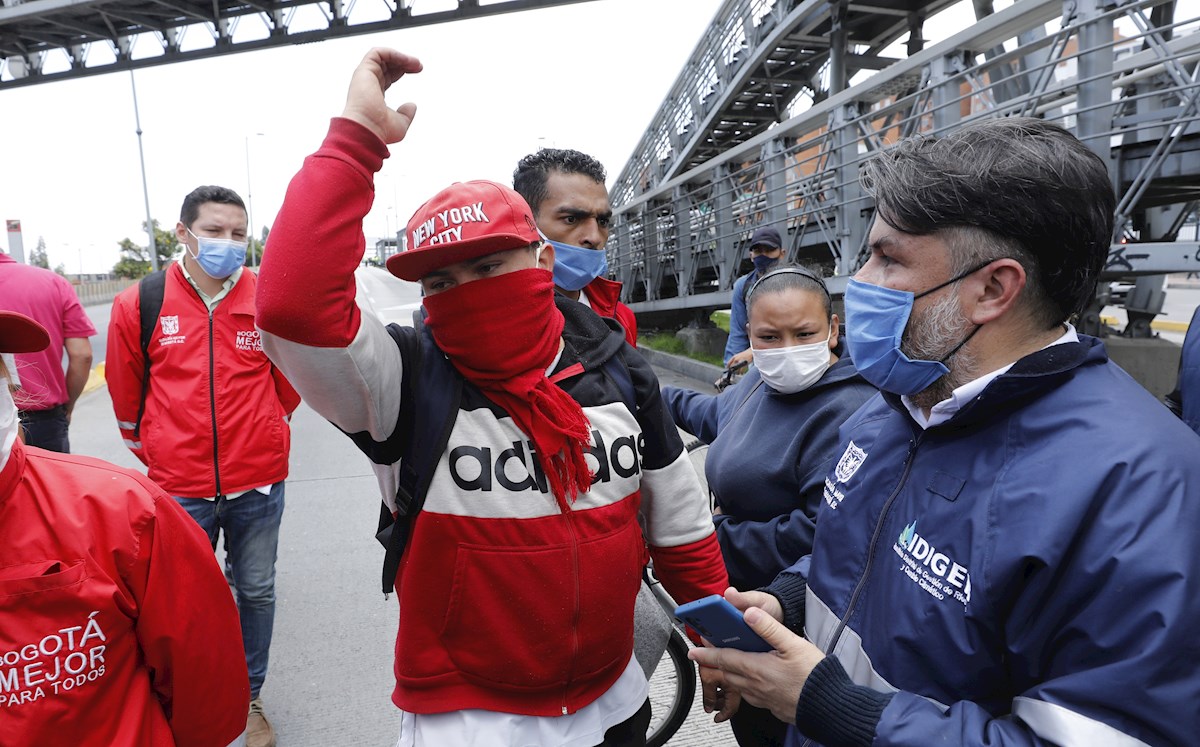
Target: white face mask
{"points": [[8, 422], [793, 369]]}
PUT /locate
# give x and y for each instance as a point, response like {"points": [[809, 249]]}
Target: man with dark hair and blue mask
{"points": [[766, 250], [566, 190], [1007, 550], [207, 413]]}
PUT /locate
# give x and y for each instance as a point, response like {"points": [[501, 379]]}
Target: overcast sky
{"points": [[588, 76]]}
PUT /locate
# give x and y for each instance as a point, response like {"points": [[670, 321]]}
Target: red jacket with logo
{"points": [[512, 599], [216, 411], [117, 628]]}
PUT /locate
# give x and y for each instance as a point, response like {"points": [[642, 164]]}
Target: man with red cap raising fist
{"points": [[531, 437]]}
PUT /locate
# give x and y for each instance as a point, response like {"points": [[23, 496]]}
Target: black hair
{"points": [[201, 195], [1010, 187], [786, 277], [529, 178]]}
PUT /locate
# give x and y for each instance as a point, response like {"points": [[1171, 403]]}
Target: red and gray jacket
{"points": [[510, 601], [215, 420], [117, 628]]}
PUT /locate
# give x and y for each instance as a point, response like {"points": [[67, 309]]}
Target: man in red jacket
{"points": [[211, 424], [116, 625], [566, 190], [518, 579]]}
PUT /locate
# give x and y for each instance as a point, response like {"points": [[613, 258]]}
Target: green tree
{"points": [[254, 252], [132, 263], [135, 260], [38, 257]]}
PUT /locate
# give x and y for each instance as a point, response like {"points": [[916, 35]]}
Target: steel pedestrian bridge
{"points": [[782, 102]]}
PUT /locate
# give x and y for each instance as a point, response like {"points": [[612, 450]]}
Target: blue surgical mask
{"points": [[762, 263], [576, 266], [218, 258], [876, 318]]}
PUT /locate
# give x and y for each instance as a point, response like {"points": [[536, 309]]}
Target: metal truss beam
{"points": [[42, 41], [757, 60]]}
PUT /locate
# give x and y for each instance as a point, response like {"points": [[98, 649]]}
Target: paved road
{"points": [[330, 675], [1179, 305]]}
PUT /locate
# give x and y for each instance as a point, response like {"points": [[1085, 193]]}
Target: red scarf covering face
{"points": [[501, 333]]}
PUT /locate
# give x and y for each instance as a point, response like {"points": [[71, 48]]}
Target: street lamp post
{"points": [[137, 118], [250, 201]]}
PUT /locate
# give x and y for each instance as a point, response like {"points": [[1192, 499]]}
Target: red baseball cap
{"points": [[20, 334], [464, 221]]}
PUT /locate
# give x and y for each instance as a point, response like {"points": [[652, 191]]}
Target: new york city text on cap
{"points": [[464, 221]]}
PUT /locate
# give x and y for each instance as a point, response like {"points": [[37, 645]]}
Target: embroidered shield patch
{"points": [[851, 460]]}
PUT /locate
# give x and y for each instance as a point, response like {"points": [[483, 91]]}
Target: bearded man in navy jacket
{"points": [[1007, 551]]}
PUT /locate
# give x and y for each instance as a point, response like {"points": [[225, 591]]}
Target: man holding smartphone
{"points": [[1007, 550], [518, 581]]}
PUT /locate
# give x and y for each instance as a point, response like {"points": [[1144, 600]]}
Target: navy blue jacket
{"points": [[767, 462], [738, 339], [1185, 400], [1026, 573]]}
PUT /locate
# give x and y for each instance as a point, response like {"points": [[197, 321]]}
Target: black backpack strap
{"points": [[150, 301], [618, 370], [425, 435]]}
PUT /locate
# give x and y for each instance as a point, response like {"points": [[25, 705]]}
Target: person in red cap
{"points": [[116, 625], [518, 579]]}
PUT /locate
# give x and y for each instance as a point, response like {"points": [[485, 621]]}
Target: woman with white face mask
{"points": [[116, 624], [772, 438]]}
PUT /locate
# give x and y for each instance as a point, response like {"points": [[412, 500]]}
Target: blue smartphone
{"points": [[721, 623]]}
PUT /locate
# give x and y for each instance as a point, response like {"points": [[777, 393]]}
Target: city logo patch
{"points": [[248, 340], [851, 460], [170, 331], [934, 571]]}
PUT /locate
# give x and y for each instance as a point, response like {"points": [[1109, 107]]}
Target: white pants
{"points": [[479, 728]]}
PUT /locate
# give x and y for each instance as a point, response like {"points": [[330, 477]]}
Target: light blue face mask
{"points": [[576, 266], [876, 318], [218, 258]]}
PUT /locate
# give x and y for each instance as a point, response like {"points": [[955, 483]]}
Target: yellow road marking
{"points": [[1162, 325], [95, 378]]}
